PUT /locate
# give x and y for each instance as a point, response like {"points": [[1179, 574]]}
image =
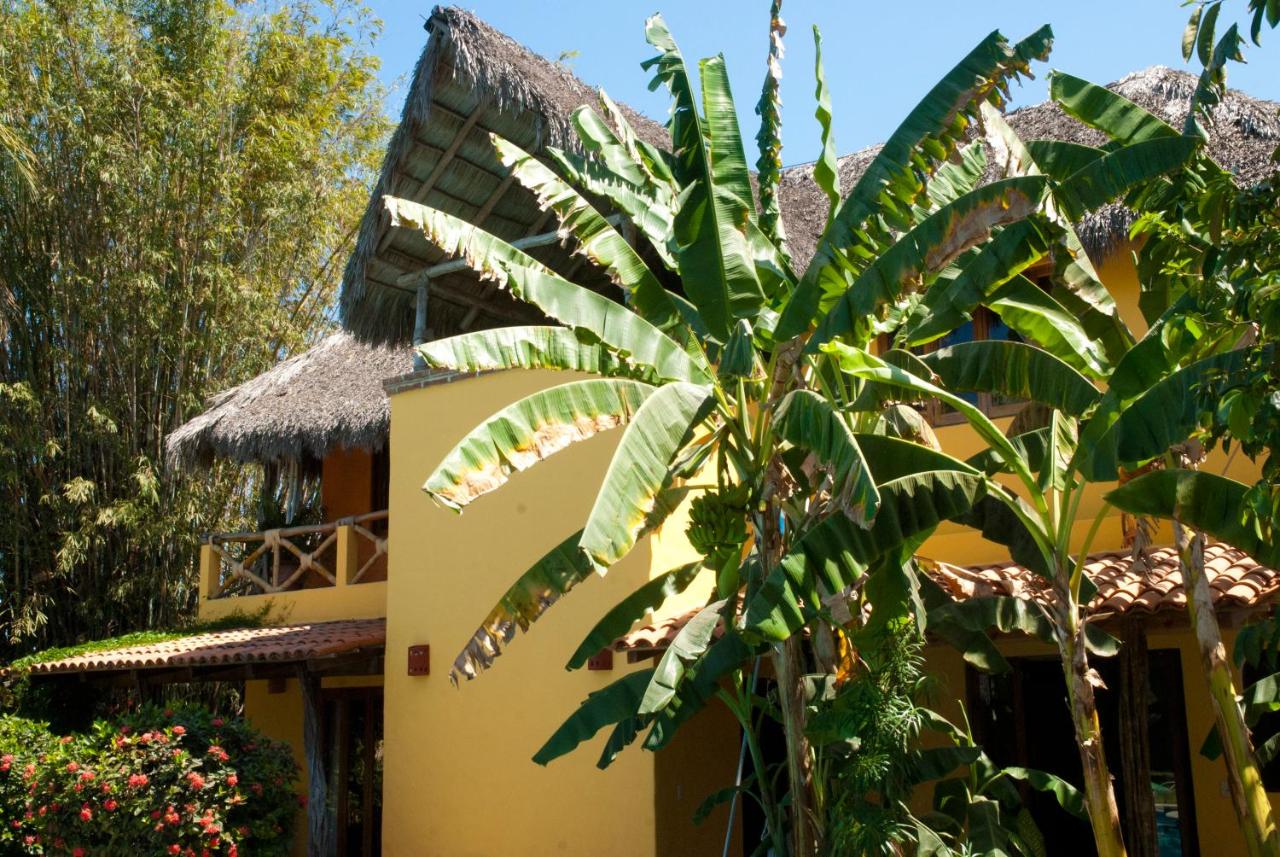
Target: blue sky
{"points": [[880, 57]]}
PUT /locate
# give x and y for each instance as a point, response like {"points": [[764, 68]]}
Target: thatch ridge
{"points": [[329, 396], [1245, 132], [518, 87]]}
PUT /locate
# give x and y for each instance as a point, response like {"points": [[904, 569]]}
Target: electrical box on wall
{"points": [[420, 660]]}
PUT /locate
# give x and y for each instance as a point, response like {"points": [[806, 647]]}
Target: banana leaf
{"points": [[531, 430]]}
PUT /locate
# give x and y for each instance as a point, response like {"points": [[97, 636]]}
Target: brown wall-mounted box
{"points": [[419, 660]]}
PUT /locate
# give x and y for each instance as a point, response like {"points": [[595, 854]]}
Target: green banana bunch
{"points": [[718, 523]]}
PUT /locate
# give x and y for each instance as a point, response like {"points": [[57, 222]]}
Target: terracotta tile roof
{"points": [[281, 644], [1124, 588]]}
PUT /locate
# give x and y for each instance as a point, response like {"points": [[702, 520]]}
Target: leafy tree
{"points": [[179, 184], [1207, 262]]}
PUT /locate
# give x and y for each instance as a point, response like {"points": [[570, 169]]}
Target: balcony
{"points": [[334, 570]]}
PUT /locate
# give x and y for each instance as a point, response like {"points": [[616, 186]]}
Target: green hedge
{"points": [[152, 782]]}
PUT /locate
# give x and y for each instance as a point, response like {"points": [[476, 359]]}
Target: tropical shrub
{"points": [[151, 782]]}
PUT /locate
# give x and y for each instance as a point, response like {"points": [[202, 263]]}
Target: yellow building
{"points": [[369, 606]]}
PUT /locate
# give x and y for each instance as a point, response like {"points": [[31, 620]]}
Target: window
{"points": [[985, 325]]}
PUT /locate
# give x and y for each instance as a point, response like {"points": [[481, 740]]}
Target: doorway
{"points": [[1022, 718], [353, 761]]}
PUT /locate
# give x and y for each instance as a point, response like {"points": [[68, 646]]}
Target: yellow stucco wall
{"points": [[459, 780]]}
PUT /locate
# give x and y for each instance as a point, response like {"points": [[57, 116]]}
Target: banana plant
{"points": [[1100, 400], [695, 375]]}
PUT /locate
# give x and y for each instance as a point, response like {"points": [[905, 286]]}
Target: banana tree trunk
{"points": [[789, 666], [1099, 792], [1248, 794]]}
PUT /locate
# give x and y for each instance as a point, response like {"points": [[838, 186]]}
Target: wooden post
{"points": [[1135, 741], [210, 572], [347, 554], [320, 834], [420, 321]]}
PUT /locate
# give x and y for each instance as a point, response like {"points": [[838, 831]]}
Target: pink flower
{"points": [[137, 781], [217, 722], [232, 780], [66, 739], [195, 780], [179, 730], [72, 767], [87, 776], [218, 753]]}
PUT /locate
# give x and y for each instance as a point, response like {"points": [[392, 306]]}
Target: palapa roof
{"points": [[471, 80], [1125, 588], [329, 396], [1245, 132]]}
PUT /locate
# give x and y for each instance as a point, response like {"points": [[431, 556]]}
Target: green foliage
{"points": [[188, 181], [153, 781]]}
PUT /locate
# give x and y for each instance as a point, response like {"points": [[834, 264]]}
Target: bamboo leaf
{"points": [[618, 621], [533, 593], [530, 430], [806, 419], [640, 469]]}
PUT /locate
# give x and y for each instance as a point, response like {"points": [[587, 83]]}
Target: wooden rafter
{"points": [[420, 193]]}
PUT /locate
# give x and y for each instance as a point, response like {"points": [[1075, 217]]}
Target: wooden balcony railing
{"points": [[338, 553]]}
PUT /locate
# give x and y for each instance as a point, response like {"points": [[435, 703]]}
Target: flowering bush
{"points": [[152, 782]]}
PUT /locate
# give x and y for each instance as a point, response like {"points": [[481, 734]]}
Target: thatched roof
{"points": [[1245, 132], [328, 397], [470, 80]]}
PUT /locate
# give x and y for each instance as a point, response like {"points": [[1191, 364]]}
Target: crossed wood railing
{"points": [[337, 553]]}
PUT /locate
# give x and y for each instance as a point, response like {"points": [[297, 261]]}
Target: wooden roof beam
{"points": [[441, 165]]}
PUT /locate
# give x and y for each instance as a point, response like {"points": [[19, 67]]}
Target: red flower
{"points": [[86, 814], [72, 767], [195, 780], [218, 753], [217, 722], [65, 739], [232, 780], [137, 781], [175, 848], [6, 761], [87, 776], [110, 804], [77, 852], [179, 730]]}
